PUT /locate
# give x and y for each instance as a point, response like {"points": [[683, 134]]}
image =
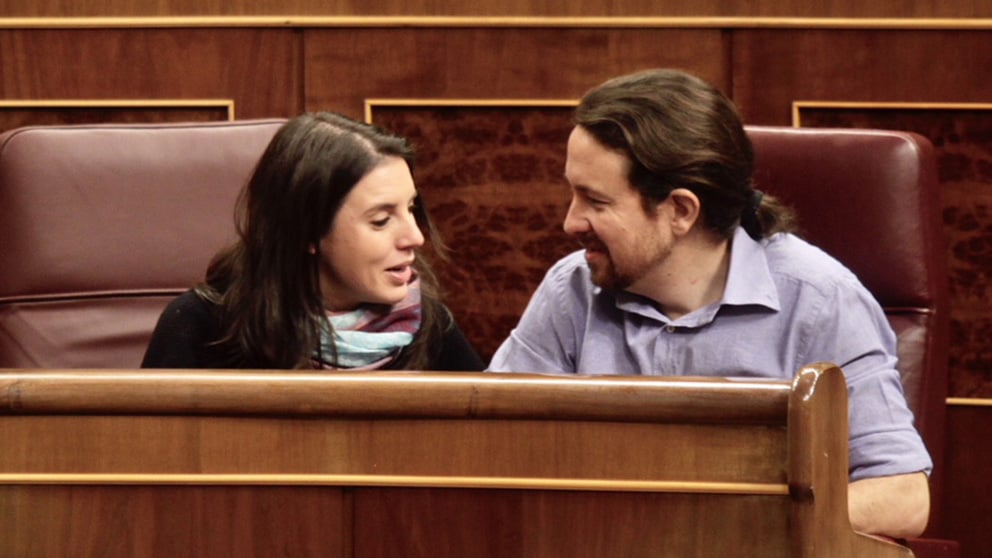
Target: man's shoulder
{"points": [[793, 258]]}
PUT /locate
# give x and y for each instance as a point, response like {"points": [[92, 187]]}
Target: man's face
{"points": [[625, 246]]}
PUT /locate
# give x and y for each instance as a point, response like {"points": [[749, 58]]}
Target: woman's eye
{"points": [[380, 222]]}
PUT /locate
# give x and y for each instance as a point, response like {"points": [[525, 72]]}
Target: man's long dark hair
{"points": [[266, 286], [680, 132]]}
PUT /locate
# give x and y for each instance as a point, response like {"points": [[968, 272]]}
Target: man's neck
{"points": [[693, 276]]}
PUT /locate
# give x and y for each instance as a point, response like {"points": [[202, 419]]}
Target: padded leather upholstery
{"points": [[102, 225], [870, 198]]}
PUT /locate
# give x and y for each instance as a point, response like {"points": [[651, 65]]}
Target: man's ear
{"points": [[686, 210]]}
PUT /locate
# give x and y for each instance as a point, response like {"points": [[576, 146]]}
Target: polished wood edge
{"points": [[702, 22], [797, 107], [379, 395], [413, 481], [120, 103], [969, 402], [372, 104], [818, 462]]}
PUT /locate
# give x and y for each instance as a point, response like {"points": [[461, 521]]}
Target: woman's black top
{"points": [[187, 328]]}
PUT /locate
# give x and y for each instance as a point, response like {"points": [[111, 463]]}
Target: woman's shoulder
{"points": [[189, 305], [452, 350]]}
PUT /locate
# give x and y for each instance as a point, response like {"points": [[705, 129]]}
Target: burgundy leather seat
{"points": [[101, 225], [870, 198]]}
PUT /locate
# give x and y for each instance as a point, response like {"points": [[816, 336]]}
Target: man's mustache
{"points": [[591, 242]]}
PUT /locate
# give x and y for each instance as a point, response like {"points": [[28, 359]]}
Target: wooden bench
{"points": [[271, 463]]}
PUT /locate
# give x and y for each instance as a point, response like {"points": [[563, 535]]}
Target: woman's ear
{"points": [[687, 210]]}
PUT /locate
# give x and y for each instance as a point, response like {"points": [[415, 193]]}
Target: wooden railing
{"points": [[265, 463]]}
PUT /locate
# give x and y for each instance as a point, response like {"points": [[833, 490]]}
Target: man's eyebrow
{"points": [[590, 192]]}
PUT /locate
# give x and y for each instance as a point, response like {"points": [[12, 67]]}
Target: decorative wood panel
{"points": [[962, 138], [772, 68], [147, 521], [538, 524], [259, 70], [344, 67], [492, 178]]}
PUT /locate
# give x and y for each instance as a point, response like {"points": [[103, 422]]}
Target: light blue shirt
{"points": [[786, 304]]}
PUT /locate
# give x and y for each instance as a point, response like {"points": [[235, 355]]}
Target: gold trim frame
{"points": [[969, 402], [634, 22], [227, 104], [694, 487], [371, 104], [797, 107]]}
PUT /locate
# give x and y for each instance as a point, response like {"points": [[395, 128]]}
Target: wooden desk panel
{"points": [[216, 463], [499, 524], [84, 521]]}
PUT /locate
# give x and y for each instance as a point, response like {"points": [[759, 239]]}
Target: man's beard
{"points": [[604, 271]]}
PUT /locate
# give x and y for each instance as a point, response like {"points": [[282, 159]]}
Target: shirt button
{"points": [[670, 329]]}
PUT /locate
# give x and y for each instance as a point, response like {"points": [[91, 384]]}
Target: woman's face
{"points": [[367, 255]]}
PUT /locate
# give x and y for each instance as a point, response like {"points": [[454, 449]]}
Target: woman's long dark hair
{"points": [[266, 286]]}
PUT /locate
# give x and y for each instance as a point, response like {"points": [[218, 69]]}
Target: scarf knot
{"points": [[370, 336]]}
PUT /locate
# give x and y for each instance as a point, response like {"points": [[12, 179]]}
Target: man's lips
{"points": [[594, 247]]}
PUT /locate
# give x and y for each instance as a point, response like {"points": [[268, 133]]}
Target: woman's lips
{"points": [[401, 274]]}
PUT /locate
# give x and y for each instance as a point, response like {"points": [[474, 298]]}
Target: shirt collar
{"points": [[749, 283]]}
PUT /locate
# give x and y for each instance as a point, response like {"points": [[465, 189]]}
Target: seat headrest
{"points": [[869, 198], [106, 208]]}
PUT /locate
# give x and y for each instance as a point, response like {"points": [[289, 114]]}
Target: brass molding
{"points": [[295, 21], [371, 104], [417, 481], [227, 104], [969, 402], [797, 107]]}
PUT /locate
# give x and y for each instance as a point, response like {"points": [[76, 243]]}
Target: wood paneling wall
{"points": [[492, 63], [283, 65]]}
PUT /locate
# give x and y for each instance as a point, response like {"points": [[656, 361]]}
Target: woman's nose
{"points": [[412, 236]]}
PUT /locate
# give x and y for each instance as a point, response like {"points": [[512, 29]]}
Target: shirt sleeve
{"points": [[547, 336], [181, 331], [854, 333]]}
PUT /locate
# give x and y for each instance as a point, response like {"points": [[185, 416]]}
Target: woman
{"points": [[326, 272]]}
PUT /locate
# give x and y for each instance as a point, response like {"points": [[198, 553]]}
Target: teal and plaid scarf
{"points": [[371, 336]]}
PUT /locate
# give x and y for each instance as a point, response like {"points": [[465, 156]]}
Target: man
{"points": [[687, 270]]}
